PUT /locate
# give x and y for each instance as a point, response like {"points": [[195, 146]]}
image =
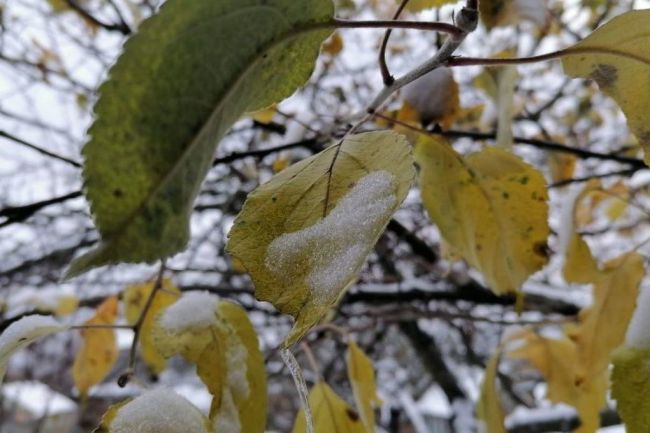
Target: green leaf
{"points": [[182, 81], [631, 387], [490, 207], [304, 235], [617, 57]]}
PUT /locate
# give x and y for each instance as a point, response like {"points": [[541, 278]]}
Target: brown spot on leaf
{"points": [[541, 249], [352, 414], [605, 75]]}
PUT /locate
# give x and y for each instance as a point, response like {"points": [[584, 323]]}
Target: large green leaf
{"points": [[181, 82], [305, 234]]}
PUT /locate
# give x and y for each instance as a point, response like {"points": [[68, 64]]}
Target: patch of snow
{"points": [[158, 411], [193, 310], [524, 416], [638, 332], [236, 367], [227, 419], [23, 332], [37, 398], [434, 402], [464, 421], [335, 245]]}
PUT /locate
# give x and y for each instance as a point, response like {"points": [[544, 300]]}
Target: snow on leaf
{"points": [[631, 387], [331, 413], [617, 57], [638, 332], [157, 411], [219, 339], [171, 96], [435, 98], [135, 297], [490, 208], [362, 377], [23, 332], [99, 350], [304, 235]]}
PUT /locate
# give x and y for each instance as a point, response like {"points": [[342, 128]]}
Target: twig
{"points": [[39, 149], [137, 327], [383, 67], [453, 30], [121, 27]]}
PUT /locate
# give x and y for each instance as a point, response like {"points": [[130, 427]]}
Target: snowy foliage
{"points": [[337, 241], [193, 310]]}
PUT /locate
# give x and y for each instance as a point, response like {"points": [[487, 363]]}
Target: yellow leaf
{"points": [[330, 413], [22, 333], [603, 325], [418, 5], [362, 377], [489, 409], [99, 350], [580, 267], [135, 297], [280, 164], [219, 339], [333, 45], [66, 305], [157, 411], [631, 387], [562, 166], [304, 235], [265, 115], [558, 361], [617, 57], [490, 207]]}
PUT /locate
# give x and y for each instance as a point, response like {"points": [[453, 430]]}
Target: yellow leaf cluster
{"points": [[491, 208], [99, 350]]}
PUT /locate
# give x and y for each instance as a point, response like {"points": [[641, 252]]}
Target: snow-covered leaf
{"points": [[304, 235], [157, 411], [24, 332]]}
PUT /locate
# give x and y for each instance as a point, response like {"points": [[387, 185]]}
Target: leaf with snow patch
{"points": [[330, 413], [219, 339], [489, 409], [174, 92], [99, 350], [617, 57], [22, 333], [434, 97], [490, 208], [157, 411], [135, 297], [362, 377], [304, 235], [631, 387]]}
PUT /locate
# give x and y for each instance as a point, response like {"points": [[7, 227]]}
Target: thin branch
{"points": [[137, 328], [122, 27], [38, 149], [466, 21], [390, 24], [15, 214], [383, 67]]}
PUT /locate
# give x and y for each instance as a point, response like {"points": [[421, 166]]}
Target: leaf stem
{"points": [[391, 24], [383, 67]]}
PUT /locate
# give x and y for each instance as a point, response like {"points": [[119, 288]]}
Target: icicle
{"points": [[301, 385]]}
